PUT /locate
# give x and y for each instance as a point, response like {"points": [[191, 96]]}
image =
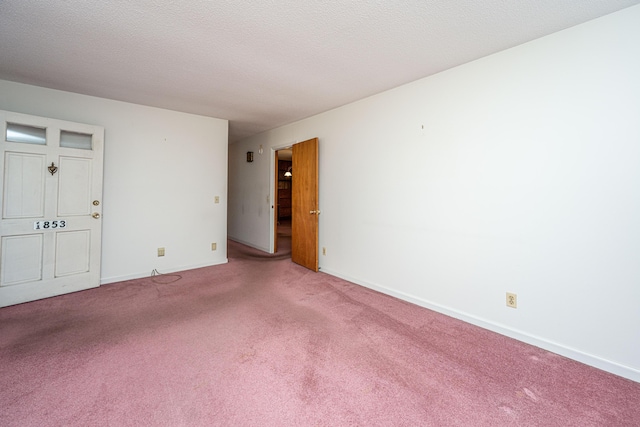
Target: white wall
{"points": [[249, 198], [525, 179], [162, 170]]}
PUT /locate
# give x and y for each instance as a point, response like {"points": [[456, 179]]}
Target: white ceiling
{"points": [[262, 64]]}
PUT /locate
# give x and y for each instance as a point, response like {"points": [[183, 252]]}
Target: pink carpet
{"points": [[263, 342]]}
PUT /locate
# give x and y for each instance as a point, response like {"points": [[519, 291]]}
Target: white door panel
{"points": [[74, 186], [23, 195], [73, 252], [51, 207], [21, 259]]}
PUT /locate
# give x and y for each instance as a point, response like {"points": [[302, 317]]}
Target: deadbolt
{"points": [[96, 202]]}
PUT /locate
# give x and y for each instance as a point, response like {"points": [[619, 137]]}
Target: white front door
{"points": [[50, 229]]}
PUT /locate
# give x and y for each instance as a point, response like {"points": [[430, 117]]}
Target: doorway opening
{"points": [[282, 198]]}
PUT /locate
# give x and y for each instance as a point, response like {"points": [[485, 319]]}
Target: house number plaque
{"points": [[44, 225]]}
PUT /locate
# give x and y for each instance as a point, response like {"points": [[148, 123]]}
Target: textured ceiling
{"points": [[262, 64]]}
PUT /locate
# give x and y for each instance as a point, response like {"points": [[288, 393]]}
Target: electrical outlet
{"points": [[160, 251], [512, 300], [214, 246], [324, 251]]}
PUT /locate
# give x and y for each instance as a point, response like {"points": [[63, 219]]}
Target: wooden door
{"points": [[50, 228], [304, 204]]}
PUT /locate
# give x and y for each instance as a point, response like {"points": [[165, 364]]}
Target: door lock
{"points": [[96, 215]]}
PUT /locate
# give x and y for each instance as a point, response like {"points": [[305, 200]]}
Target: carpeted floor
{"points": [[261, 341]]}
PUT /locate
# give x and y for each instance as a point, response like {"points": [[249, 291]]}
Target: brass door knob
{"points": [[96, 215]]}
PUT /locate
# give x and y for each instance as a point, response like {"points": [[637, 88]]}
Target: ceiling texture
{"points": [[262, 64]]}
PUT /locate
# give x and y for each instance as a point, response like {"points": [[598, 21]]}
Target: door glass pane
{"points": [[26, 134], [75, 140]]}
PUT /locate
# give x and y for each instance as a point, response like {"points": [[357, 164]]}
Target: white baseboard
{"points": [[260, 248], [571, 353], [114, 279]]}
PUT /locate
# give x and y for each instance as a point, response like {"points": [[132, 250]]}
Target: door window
{"points": [[26, 134]]}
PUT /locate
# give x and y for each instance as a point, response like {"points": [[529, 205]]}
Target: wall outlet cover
{"points": [[512, 300]]}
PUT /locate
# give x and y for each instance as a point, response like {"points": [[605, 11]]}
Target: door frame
{"points": [[273, 192]]}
